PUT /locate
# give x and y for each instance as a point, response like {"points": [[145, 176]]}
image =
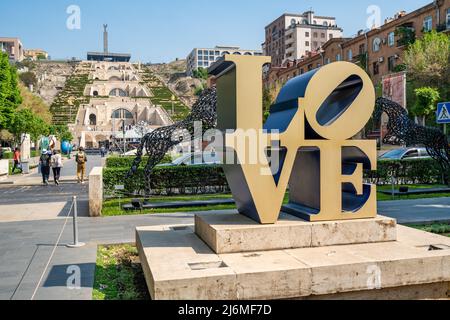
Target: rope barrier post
{"points": [[76, 243]]}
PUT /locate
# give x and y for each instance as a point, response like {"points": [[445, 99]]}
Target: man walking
{"points": [[44, 165], [16, 161], [81, 159]]}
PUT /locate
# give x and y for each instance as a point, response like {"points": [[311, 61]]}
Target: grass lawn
{"points": [[111, 207], [119, 275], [438, 228], [386, 197]]}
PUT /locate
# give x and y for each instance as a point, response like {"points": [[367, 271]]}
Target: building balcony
{"points": [[289, 40], [406, 35], [290, 50], [443, 28]]}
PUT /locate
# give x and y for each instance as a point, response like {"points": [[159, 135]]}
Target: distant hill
{"points": [[174, 76]]}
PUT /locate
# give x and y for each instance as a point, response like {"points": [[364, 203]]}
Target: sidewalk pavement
{"points": [[68, 173]]}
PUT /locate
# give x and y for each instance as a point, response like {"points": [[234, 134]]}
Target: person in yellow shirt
{"points": [[81, 159]]}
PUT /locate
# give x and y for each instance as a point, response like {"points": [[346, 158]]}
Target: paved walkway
{"points": [[68, 173]]}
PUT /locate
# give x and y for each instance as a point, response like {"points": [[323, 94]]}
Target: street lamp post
{"points": [[124, 141]]}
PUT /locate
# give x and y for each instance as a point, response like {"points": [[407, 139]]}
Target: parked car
{"points": [[193, 159], [406, 154]]}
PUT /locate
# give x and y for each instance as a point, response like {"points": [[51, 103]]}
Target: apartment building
{"points": [[293, 36], [13, 47], [380, 51], [205, 57], [36, 54]]}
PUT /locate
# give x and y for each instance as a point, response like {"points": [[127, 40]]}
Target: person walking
{"points": [[56, 162], [103, 151], [44, 164], [81, 159], [16, 161]]}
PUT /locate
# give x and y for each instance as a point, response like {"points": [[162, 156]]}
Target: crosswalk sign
{"points": [[443, 112]]}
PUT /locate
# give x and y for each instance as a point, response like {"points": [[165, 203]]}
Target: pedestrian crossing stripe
{"points": [[444, 114]]}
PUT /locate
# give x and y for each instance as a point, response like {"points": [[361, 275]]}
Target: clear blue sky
{"points": [[162, 30]]}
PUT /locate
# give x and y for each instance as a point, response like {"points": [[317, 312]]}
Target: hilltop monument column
{"points": [[105, 38]]}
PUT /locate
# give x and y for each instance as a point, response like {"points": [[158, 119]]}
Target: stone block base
{"points": [[232, 233], [178, 265]]}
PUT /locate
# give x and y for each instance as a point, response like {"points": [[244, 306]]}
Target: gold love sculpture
{"points": [[316, 115]]}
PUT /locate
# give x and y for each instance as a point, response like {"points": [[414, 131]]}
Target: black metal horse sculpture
{"points": [[402, 130], [161, 140]]}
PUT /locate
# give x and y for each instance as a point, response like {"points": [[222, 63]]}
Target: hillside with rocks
{"points": [[174, 76]]}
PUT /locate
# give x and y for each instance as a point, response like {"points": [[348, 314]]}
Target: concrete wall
{"points": [[4, 169], [96, 192]]}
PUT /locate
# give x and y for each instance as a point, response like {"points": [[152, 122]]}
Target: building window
{"points": [[325, 24], [391, 63], [428, 24], [362, 48], [315, 44], [376, 44], [448, 18], [307, 43], [327, 61], [322, 35], [376, 69], [122, 114], [350, 55], [310, 67], [307, 34], [92, 120], [391, 39], [338, 57], [331, 36], [315, 34]]}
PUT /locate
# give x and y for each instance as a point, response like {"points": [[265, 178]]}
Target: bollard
{"points": [[76, 243]]}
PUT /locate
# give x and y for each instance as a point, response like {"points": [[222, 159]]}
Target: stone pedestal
{"points": [[231, 233], [25, 147], [393, 262], [96, 192], [4, 169]]}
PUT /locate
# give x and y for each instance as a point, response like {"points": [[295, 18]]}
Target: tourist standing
{"points": [[103, 151], [44, 164], [81, 159], [16, 161], [56, 162]]}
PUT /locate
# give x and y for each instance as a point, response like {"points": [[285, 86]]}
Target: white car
{"points": [[195, 159], [406, 154]]}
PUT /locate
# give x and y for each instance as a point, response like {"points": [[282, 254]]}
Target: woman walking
{"points": [[56, 162], [16, 159], [44, 164]]}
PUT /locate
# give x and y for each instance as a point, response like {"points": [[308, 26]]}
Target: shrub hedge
{"points": [[169, 180], [423, 171], [127, 162], [211, 178]]}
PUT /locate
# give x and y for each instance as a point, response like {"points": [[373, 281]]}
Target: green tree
{"points": [[10, 97], [426, 100], [26, 122], [61, 132], [28, 78], [201, 73], [427, 60]]}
